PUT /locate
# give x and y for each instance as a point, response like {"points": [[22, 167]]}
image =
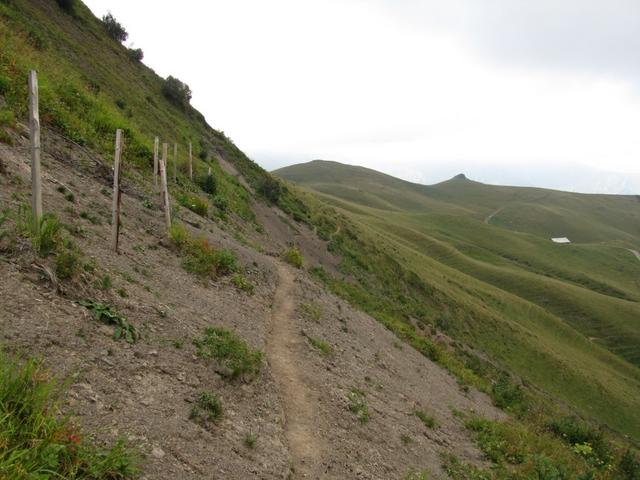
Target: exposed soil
{"points": [[297, 407]]}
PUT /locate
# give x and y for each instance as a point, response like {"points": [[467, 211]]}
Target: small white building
{"points": [[561, 240]]}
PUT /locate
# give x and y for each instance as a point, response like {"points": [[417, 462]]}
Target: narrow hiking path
{"points": [[284, 339], [635, 252], [492, 214]]}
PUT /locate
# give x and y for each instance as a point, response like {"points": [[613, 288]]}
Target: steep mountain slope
{"points": [[535, 306], [225, 348]]}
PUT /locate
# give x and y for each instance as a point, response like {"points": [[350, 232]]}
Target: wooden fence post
{"points": [[165, 190], [156, 145], [162, 160], [190, 163], [175, 163], [34, 127], [115, 214]]}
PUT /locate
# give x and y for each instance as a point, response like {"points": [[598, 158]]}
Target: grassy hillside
{"points": [[536, 307], [90, 85]]}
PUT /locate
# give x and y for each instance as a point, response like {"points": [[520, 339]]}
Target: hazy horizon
{"points": [[507, 92]]}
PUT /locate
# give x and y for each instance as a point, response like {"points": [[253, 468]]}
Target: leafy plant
{"points": [[199, 256], [236, 358], [106, 314], [208, 184]]}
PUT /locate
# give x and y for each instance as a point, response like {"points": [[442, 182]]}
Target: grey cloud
{"points": [[595, 36]]}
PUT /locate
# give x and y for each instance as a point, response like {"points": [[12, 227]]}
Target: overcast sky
{"points": [[509, 91]]}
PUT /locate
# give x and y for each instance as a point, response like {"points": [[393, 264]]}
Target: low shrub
{"points": [[293, 257], [234, 356], [67, 5], [580, 435], [176, 92], [39, 443], [221, 203], [427, 420], [320, 345], [199, 256], [507, 395], [208, 184], [241, 283], [135, 54], [358, 404], [114, 29], [68, 263], [195, 204], [207, 406]]}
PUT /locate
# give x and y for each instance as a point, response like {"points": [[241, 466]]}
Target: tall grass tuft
{"points": [[38, 442]]}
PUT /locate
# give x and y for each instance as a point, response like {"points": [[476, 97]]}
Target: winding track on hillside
{"points": [[635, 252], [493, 214], [284, 338]]}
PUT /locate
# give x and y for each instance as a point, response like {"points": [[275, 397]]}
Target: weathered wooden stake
{"points": [[156, 145], [175, 163], [34, 126], [115, 214], [190, 163], [165, 190], [163, 160]]}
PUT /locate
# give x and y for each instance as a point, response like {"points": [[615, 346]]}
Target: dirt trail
{"points": [[635, 252], [492, 214], [284, 338]]}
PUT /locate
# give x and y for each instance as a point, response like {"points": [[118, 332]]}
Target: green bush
{"points": [[293, 257], [221, 203], [176, 91], [67, 5], [135, 54], [320, 345], [427, 420], [507, 395], [114, 28], [358, 405], [7, 119], [629, 466], [38, 443], [241, 283], [209, 406], [179, 235], [199, 256], [195, 204], [236, 358], [67, 263], [270, 188], [208, 184], [576, 432]]}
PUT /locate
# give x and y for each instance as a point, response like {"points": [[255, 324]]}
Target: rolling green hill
{"points": [[565, 317]]}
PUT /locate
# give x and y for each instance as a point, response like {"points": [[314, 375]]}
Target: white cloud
{"points": [[405, 86]]}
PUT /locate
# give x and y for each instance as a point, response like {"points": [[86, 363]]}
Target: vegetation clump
{"points": [[234, 356], [199, 256], [324, 348], [195, 204], [358, 404], [38, 442], [241, 283], [176, 92], [208, 406], [426, 419], [114, 28], [106, 314], [293, 257]]}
